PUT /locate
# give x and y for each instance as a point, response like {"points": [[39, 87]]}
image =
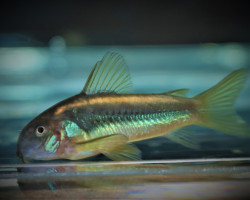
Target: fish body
{"points": [[102, 120], [136, 116]]}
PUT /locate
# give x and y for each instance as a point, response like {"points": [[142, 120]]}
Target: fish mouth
{"points": [[31, 158], [26, 152], [20, 155]]}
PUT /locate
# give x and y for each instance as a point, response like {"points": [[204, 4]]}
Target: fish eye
{"points": [[40, 130]]}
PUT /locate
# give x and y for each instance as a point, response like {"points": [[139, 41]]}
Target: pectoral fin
{"points": [[78, 139]]}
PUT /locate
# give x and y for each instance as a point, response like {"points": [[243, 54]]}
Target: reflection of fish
{"points": [[137, 180], [100, 120]]}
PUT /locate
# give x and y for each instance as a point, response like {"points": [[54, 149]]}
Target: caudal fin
{"points": [[217, 105]]}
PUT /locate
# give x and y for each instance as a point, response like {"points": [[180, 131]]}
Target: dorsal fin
{"points": [[178, 93], [110, 75]]}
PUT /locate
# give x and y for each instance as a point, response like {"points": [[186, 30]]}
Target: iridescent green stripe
{"points": [[73, 130], [128, 124], [135, 123]]}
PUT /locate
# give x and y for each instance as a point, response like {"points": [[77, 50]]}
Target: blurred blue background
{"points": [[34, 78], [48, 49]]}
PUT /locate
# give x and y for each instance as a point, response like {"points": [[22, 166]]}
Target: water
{"points": [[33, 79]]}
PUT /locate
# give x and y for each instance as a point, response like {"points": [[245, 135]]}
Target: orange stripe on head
{"points": [[61, 109]]}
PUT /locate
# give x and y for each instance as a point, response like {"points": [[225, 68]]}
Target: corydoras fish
{"points": [[103, 120]]}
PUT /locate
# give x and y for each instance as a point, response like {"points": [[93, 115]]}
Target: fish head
{"points": [[39, 140]]}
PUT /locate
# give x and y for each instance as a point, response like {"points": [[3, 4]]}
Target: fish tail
{"points": [[217, 105]]}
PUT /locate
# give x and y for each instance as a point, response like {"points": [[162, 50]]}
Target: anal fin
{"points": [[184, 137]]}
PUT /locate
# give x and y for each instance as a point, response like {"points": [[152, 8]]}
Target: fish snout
{"points": [[19, 154], [22, 147]]}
